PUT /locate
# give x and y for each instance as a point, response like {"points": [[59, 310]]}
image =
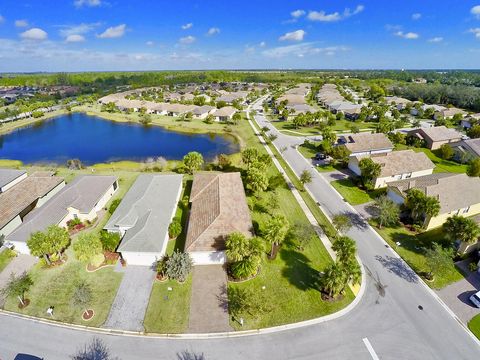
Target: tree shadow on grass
{"points": [[397, 267], [298, 270]]}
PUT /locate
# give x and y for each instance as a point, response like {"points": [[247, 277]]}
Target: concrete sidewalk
{"points": [[130, 304]]}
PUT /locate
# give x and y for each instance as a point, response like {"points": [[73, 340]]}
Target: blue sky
{"points": [[81, 35]]}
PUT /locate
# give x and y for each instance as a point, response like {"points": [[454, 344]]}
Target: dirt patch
{"points": [[26, 302], [88, 315]]}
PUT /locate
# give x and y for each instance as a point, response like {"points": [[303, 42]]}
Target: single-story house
{"points": [[436, 136], [466, 150], [292, 99], [225, 113], [218, 208], [233, 96], [349, 109], [449, 113], [301, 108], [26, 195], [399, 102], [201, 112], [143, 217], [436, 108], [81, 199], [178, 109], [395, 165], [300, 89], [366, 143], [10, 177], [471, 120], [458, 194]]}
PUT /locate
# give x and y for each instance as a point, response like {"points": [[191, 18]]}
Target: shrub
{"points": [[109, 240], [113, 206], [97, 260], [72, 223], [174, 229], [178, 266], [473, 266], [87, 247]]}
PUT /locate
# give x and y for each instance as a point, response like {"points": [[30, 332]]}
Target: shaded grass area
{"points": [[6, 256], [168, 311], [353, 194], [474, 325], [411, 250]]}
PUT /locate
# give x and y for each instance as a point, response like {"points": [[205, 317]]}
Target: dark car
{"points": [[320, 156]]}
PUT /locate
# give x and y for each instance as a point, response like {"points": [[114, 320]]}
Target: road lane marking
{"points": [[369, 346]]}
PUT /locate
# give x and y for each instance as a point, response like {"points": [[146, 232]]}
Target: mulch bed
{"points": [[328, 298], [111, 259], [230, 278], [87, 315], [161, 278], [23, 306]]}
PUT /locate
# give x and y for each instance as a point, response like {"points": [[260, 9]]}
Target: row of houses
{"points": [[218, 207], [295, 100], [170, 109], [329, 97], [439, 110]]}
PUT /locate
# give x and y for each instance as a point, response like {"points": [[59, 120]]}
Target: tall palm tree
{"points": [[275, 231], [333, 280], [345, 248]]}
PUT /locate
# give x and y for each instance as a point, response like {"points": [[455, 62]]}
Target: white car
{"points": [[475, 298]]}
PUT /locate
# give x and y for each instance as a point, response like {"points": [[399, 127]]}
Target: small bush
{"points": [[178, 266], [109, 240], [174, 229], [113, 206], [97, 260], [473, 266]]}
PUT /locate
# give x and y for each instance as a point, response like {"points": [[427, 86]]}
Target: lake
{"points": [[95, 140]]}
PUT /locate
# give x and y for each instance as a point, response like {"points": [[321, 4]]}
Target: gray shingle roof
{"points": [[368, 142], [147, 210], [83, 193], [8, 175]]}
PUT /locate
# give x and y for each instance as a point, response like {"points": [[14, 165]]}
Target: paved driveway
{"points": [[17, 266], [208, 305], [130, 304], [457, 295]]}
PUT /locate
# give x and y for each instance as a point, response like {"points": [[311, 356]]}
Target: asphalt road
{"points": [[386, 324]]}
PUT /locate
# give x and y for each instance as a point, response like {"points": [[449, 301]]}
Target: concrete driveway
{"points": [[457, 295], [20, 264], [130, 304]]}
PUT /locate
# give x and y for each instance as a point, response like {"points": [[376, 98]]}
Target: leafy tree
{"points": [[370, 170], [474, 131], [249, 156], [303, 234], [342, 222], [18, 286], [473, 168], [236, 117], [345, 249], [419, 204], [109, 240], [340, 154], [461, 228], [178, 266], [328, 135], [352, 273], [193, 161], [44, 244], [82, 296], [388, 211], [245, 254], [87, 246], [275, 231], [174, 229], [437, 260], [305, 177], [446, 152]]}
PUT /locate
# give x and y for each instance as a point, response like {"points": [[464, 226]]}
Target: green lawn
{"points": [[5, 257], [474, 325], [442, 165], [340, 126], [353, 194], [168, 311], [410, 249]]}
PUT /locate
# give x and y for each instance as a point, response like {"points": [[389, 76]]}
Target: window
{"points": [[75, 216], [466, 210], [115, 185]]}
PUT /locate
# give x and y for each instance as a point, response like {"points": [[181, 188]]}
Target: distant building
{"points": [[435, 137], [225, 113]]}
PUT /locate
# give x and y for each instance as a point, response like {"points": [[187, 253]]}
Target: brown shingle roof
{"points": [[368, 142], [24, 194], [219, 207], [439, 133]]}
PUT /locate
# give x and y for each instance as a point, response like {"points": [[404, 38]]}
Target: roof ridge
{"points": [[215, 176]]}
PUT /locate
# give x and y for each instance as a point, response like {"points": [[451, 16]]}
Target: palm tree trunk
{"points": [[47, 259], [271, 251], [22, 301]]}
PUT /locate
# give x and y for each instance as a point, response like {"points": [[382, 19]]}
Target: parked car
{"points": [[320, 156], [475, 299]]}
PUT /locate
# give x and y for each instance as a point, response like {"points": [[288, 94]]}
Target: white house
{"points": [[201, 112], [225, 113], [143, 217], [10, 177]]}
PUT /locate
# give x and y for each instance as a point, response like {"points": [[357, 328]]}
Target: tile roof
{"points": [[147, 210], [225, 111], [368, 142], [438, 133], [9, 175], [24, 194], [453, 191], [82, 193], [219, 207]]}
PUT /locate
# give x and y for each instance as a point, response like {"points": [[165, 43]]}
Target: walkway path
{"points": [[208, 304], [130, 304]]}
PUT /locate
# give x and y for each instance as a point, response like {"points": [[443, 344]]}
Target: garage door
{"points": [[145, 259], [208, 257]]}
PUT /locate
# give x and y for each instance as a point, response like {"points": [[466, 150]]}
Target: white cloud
{"points": [[416, 16], [335, 16], [213, 31], [262, 44], [21, 23], [35, 34], [150, 43], [476, 32], [475, 11], [408, 35], [297, 13], [187, 40], [113, 32], [74, 38], [187, 26], [82, 28], [436, 39], [89, 3], [297, 35], [300, 50]]}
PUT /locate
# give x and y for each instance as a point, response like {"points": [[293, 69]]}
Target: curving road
{"points": [[386, 324]]}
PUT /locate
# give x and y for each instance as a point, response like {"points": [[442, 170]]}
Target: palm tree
{"points": [[352, 272], [345, 248], [245, 254], [333, 280], [275, 231], [431, 206]]}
